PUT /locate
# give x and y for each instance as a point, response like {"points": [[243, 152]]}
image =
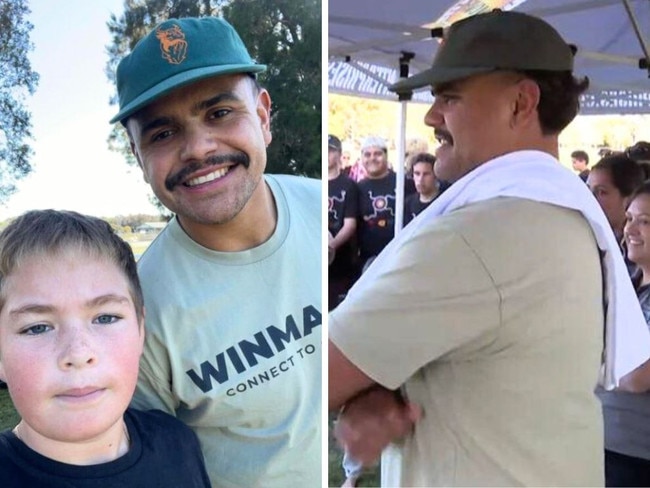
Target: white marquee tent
{"points": [[368, 38], [373, 42]]}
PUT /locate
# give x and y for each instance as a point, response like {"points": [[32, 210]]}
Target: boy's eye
{"points": [[106, 319], [36, 329]]}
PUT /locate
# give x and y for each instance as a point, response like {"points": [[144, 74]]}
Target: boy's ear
{"points": [[3, 377]]}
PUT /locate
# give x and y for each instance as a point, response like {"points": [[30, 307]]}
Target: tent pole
{"points": [[404, 61], [637, 31], [399, 185]]}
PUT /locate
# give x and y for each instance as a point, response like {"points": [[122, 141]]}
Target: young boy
{"points": [[71, 336]]}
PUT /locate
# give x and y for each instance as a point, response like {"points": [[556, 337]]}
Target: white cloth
{"points": [[537, 176]]}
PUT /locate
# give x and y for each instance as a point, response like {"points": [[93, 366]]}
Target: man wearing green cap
{"points": [[477, 335], [232, 285]]}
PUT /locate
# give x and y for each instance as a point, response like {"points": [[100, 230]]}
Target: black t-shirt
{"points": [[413, 206], [164, 452], [377, 209], [343, 201]]}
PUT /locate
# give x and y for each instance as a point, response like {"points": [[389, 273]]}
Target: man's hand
{"points": [[372, 420]]}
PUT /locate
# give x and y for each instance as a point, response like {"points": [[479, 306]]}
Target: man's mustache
{"points": [[178, 177]]}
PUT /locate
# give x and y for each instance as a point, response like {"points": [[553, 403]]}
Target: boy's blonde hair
{"points": [[47, 232]]}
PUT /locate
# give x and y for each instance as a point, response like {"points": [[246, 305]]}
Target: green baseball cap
{"points": [[176, 53], [493, 41]]}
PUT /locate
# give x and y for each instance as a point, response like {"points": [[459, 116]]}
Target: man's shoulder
{"points": [[157, 246], [300, 194], [342, 181], [536, 226], [412, 198], [387, 181], [294, 183], [519, 209]]}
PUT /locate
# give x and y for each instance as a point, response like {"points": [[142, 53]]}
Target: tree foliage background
{"points": [[17, 79], [283, 34]]}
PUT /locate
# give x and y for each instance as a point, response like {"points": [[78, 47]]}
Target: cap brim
{"points": [[182, 79], [435, 76]]}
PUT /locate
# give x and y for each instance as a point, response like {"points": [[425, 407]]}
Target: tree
{"points": [[286, 36], [16, 80], [283, 34]]}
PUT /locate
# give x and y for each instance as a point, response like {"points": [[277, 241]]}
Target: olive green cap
{"points": [[493, 41]]}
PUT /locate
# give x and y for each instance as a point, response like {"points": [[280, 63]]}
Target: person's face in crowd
{"points": [[333, 159], [424, 179], [70, 345], [472, 118], [578, 164], [375, 160], [345, 159], [637, 230], [202, 148], [609, 197]]}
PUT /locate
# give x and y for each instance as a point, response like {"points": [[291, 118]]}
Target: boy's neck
{"points": [[104, 448]]}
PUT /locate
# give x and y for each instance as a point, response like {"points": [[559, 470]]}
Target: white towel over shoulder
{"points": [[537, 176]]}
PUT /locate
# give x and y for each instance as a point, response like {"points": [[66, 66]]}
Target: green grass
{"points": [[8, 416]]}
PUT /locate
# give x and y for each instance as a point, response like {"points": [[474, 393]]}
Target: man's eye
{"points": [[219, 113], [159, 136], [106, 319], [36, 329]]}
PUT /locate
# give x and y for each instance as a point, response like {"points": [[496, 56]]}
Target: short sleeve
{"points": [[431, 296], [153, 390]]}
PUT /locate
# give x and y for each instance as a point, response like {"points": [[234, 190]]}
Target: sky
{"points": [[73, 169]]}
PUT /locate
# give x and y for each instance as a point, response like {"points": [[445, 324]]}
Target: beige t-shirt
{"points": [[491, 318]]}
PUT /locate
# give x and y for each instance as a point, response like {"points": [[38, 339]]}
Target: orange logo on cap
{"points": [[172, 44]]}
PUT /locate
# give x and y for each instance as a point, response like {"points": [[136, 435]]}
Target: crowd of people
{"points": [[362, 210], [620, 182]]}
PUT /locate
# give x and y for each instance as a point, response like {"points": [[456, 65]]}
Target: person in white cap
{"points": [[488, 310], [377, 196]]}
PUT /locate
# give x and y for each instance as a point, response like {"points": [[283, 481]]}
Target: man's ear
{"points": [[264, 113], [525, 105]]}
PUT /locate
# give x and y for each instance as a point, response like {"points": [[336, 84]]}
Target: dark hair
{"points": [[559, 100], [581, 155], [626, 174], [423, 157], [639, 151], [643, 189], [45, 232]]}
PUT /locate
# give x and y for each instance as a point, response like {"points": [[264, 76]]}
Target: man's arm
{"points": [[345, 380], [372, 417], [347, 231]]}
